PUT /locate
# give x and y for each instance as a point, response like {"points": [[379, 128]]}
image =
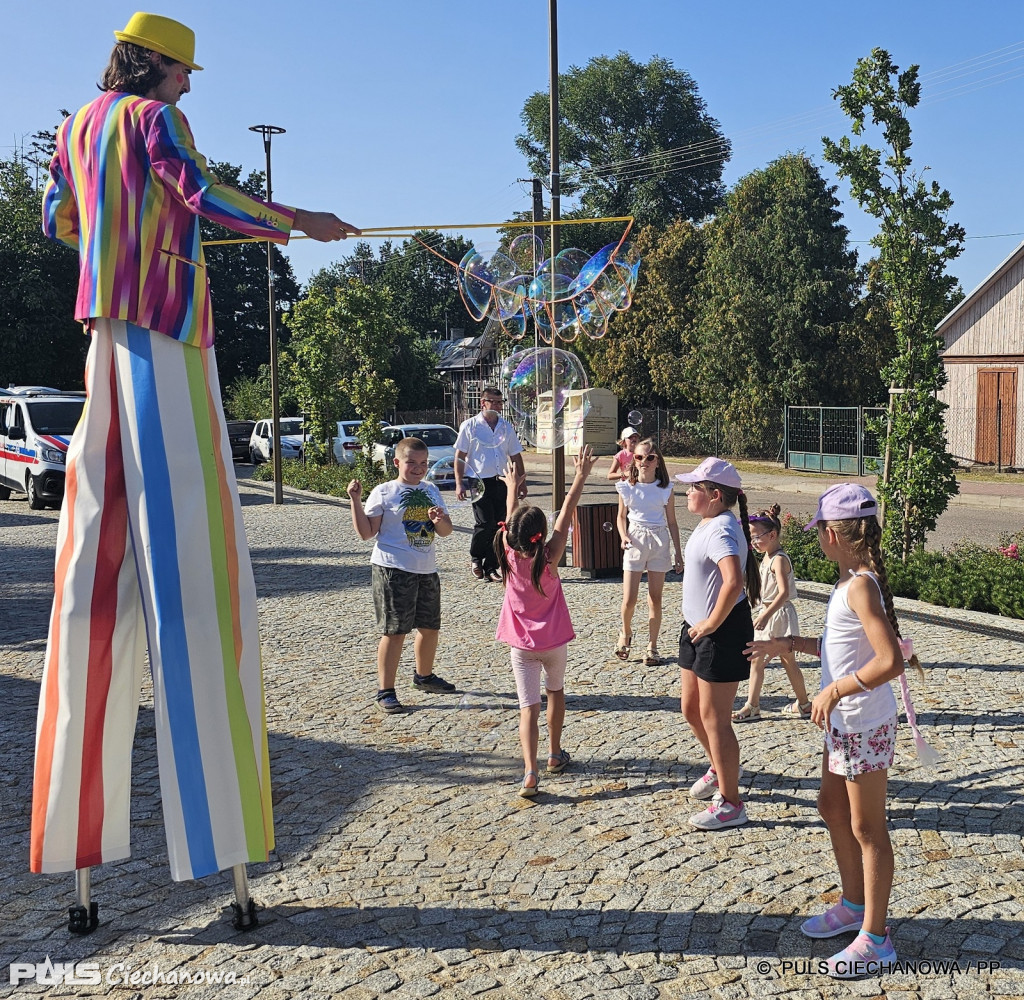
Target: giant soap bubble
{"points": [[574, 293], [545, 395]]}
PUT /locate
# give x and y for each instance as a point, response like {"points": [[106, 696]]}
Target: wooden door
{"points": [[996, 417]]}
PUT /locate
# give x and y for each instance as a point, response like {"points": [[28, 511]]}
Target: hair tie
{"points": [[503, 526], [536, 538], [742, 494]]}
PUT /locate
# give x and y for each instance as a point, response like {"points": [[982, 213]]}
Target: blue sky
{"points": [[404, 112]]}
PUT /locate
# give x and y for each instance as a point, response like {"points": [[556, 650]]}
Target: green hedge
{"points": [[331, 480], [966, 576]]}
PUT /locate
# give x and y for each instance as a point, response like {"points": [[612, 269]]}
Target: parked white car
{"points": [[439, 439], [346, 445], [261, 443]]}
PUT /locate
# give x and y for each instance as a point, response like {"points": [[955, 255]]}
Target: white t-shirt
{"points": [[487, 450], [845, 649], [645, 503], [711, 541], [406, 536]]}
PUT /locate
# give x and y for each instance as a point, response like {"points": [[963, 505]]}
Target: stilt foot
{"points": [[245, 918], [83, 920]]}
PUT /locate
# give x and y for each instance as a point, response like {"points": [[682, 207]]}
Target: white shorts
{"points": [[527, 665], [649, 549], [783, 622]]}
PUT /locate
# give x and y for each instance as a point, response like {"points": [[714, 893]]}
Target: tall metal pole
{"points": [[268, 132], [557, 450]]}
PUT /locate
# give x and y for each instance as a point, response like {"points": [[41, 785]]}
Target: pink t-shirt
{"points": [[529, 619], [624, 458]]}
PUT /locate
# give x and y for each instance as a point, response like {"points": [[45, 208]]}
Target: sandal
{"points": [[748, 713], [652, 658], [795, 708], [561, 762], [622, 649], [529, 791]]}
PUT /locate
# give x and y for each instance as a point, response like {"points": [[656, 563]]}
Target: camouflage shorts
{"points": [[404, 601]]}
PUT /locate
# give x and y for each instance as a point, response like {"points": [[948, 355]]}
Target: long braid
{"points": [[752, 573]]}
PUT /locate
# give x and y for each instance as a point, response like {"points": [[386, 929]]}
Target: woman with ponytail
{"points": [[534, 617], [720, 581], [860, 653]]}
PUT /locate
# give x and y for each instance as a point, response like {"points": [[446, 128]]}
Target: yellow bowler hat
{"points": [[161, 34]]}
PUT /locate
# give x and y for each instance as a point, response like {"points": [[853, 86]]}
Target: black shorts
{"points": [[719, 657], [404, 601]]}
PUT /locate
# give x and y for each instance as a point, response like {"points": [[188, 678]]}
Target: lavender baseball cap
{"points": [[713, 470], [843, 502]]}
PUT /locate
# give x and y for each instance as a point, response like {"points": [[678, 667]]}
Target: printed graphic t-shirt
{"points": [[406, 536]]}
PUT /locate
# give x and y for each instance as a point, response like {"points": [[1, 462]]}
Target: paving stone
{"points": [[406, 865]]}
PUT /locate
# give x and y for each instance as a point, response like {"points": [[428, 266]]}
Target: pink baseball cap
{"points": [[843, 502], [713, 470]]}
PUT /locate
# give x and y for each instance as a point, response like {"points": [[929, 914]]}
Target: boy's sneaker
{"points": [[387, 701], [862, 958], [706, 785], [837, 920], [719, 815], [433, 682]]}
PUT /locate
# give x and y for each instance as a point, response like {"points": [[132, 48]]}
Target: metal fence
{"points": [[689, 433], [837, 439]]}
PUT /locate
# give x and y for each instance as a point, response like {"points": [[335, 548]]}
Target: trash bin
{"points": [[595, 549]]}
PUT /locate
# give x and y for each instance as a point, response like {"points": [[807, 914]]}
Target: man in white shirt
{"points": [[485, 444]]}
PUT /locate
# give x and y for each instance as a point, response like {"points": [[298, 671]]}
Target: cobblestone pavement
{"points": [[406, 866]]}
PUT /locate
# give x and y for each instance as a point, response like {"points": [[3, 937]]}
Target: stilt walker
{"points": [[151, 549]]}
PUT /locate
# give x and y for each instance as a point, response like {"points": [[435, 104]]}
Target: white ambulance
{"points": [[36, 424]]}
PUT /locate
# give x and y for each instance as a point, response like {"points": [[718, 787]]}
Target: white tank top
{"points": [[845, 649]]}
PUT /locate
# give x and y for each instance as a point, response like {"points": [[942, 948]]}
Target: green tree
{"points": [[915, 242], [647, 357], [248, 397], [634, 139], [40, 342], [238, 287], [341, 352], [779, 293]]}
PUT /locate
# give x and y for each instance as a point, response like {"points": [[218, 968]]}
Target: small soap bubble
{"points": [[607, 526], [635, 418]]}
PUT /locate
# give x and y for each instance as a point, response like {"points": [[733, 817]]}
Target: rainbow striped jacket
{"points": [[126, 190]]}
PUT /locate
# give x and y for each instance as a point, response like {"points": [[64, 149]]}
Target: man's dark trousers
{"points": [[487, 512]]}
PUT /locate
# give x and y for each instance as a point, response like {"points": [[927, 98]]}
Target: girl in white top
{"points": [[860, 654], [774, 615], [647, 525]]}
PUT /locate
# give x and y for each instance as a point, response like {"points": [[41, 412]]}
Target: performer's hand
{"points": [[324, 226]]}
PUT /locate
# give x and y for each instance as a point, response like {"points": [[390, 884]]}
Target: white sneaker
{"points": [[706, 785], [719, 815]]}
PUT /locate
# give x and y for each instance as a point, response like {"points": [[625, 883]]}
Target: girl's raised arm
{"points": [[584, 462]]}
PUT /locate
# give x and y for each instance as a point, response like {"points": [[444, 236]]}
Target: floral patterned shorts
{"points": [[851, 754]]}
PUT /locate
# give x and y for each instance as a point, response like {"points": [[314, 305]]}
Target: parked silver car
{"points": [[439, 439]]}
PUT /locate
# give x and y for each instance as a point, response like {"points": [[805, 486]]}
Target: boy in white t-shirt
{"points": [[404, 516]]}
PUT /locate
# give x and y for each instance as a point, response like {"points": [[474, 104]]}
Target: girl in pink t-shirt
{"points": [[534, 618], [622, 461]]}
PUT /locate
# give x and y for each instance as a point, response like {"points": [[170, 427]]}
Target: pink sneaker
{"points": [[719, 815], [837, 920], [862, 958], [707, 784]]}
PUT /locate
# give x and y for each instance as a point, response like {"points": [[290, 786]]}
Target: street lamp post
{"points": [[268, 132]]}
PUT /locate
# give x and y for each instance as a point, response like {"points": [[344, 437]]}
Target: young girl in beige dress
{"points": [[774, 615]]}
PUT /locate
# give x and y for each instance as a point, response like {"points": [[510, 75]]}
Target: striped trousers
{"points": [[151, 550]]}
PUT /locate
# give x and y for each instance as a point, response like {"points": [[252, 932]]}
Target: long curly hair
{"points": [[526, 533], [863, 536]]}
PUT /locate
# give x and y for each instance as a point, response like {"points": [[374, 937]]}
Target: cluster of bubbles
{"points": [[568, 295], [545, 395]]}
